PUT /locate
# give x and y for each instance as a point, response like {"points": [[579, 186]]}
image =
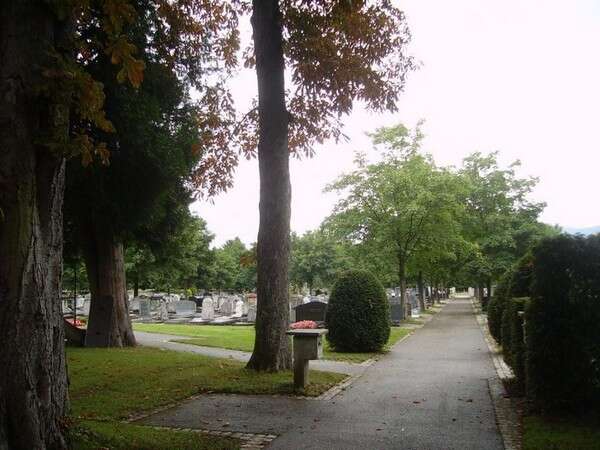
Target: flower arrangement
{"points": [[303, 324], [76, 322]]}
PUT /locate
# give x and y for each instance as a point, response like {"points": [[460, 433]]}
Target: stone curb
{"points": [[249, 441], [507, 415]]}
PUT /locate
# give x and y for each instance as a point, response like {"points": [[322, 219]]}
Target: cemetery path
{"points": [[163, 341], [430, 392]]}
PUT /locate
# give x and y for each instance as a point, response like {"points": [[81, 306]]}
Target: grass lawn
{"points": [[109, 385], [92, 435], [560, 434], [242, 338]]}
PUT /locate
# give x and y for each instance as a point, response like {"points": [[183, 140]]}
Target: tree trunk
{"points": [[33, 378], [421, 288], [109, 323], [402, 280], [271, 345]]}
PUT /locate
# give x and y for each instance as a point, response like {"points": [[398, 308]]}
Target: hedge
{"points": [[563, 324], [513, 346], [358, 315]]}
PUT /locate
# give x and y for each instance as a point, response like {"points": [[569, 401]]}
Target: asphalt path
{"points": [[430, 392]]}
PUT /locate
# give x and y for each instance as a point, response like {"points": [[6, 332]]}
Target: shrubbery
{"points": [[513, 347], [358, 313], [563, 324]]}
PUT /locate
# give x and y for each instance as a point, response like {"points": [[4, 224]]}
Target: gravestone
{"points": [[244, 308], [314, 311], [227, 307], [163, 314], [208, 310], [86, 307], [144, 308], [251, 298], [134, 305], [185, 308], [396, 313], [251, 314], [239, 308]]}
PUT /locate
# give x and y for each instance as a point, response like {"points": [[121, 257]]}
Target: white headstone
{"points": [[251, 314], [145, 308], [208, 310], [86, 307], [239, 308], [163, 314], [227, 307]]}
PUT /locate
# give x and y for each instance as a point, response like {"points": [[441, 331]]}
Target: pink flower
{"points": [[303, 324]]}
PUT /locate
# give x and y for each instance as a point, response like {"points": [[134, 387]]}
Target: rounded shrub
{"points": [[358, 316]]}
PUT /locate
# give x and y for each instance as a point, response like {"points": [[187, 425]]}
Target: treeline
{"points": [[410, 221]]}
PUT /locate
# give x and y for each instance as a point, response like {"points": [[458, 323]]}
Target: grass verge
{"points": [[561, 434], [242, 338], [115, 383], [92, 435]]}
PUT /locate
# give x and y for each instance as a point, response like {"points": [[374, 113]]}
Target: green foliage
{"points": [[358, 313], [234, 267], [562, 333], [315, 259], [513, 347]]}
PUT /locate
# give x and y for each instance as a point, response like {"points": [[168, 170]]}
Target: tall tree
{"points": [[338, 52], [402, 206], [160, 134], [41, 87], [500, 216]]}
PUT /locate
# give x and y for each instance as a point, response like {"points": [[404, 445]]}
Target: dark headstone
{"points": [[314, 311], [396, 312]]}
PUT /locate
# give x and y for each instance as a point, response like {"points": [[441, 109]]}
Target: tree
{"points": [[315, 259], [42, 90], [338, 52], [231, 273], [499, 219], [402, 206], [160, 136]]}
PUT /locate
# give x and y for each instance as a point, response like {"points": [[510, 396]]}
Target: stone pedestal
{"points": [[307, 344]]}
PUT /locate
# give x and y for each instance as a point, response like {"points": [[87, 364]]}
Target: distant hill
{"points": [[585, 231]]}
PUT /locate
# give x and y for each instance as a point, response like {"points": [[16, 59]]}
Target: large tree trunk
{"points": [[271, 345], [109, 324], [421, 287], [33, 378]]}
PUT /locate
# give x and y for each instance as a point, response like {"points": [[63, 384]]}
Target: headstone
{"points": [[239, 308], [86, 307], [396, 312], [227, 307], [244, 308], [163, 314], [144, 308], [208, 310], [185, 308], [134, 305], [251, 314], [251, 299], [311, 311]]}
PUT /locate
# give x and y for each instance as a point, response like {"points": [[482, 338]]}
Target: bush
{"points": [[358, 316], [513, 347], [562, 332], [495, 309]]}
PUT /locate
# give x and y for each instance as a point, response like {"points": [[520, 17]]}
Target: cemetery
{"points": [[229, 225]]}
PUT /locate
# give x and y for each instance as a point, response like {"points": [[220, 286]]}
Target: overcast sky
{"points": [[518, 76]]}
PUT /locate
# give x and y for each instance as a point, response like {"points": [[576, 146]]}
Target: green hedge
{"points": [[563, 324], [358, 316], [513, 346]]}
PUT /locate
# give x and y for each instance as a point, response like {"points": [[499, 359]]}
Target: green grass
{"points": [[116, 383], [561, 434], [91, 435], [242, 338]]}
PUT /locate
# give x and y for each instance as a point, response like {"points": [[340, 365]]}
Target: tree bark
{"points": [[33, 378], [109, 324], [421, 288], [271, 345], [136, 284]]}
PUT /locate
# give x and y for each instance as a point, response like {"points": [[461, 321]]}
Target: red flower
{"points": [[303, 324]]}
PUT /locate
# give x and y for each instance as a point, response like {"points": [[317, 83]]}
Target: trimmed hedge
{"points": [[358, 315], [513, 345], [563, 324]]}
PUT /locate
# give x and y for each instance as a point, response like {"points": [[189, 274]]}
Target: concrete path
{"points": [[163, 341], [429, 393]]}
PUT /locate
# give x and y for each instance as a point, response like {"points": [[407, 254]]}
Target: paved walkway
{"points": [[429, 393]]}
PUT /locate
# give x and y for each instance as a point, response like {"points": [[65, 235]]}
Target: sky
{"points": [[518, 76]]}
